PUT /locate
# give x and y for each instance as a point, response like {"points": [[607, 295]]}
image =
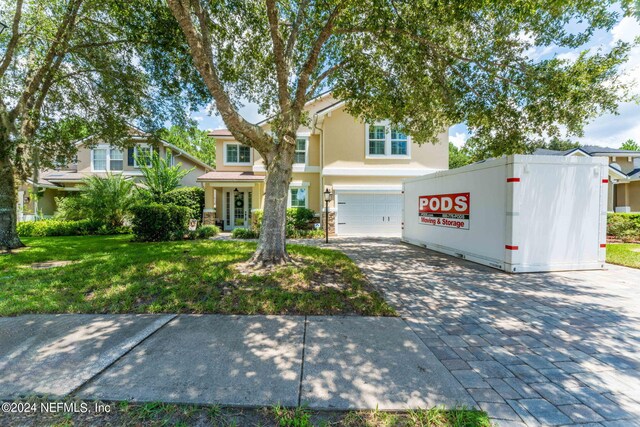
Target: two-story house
{"points": [[624, 174], [362, 165], [99, 159]]}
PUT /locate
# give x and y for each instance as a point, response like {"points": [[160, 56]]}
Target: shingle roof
{"points": [[231, 176]]}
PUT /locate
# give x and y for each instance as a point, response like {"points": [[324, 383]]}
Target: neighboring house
{"points": [[624, 174], [362, 165], [97, 159]]}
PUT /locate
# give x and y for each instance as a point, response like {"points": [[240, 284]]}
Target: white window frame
{"points": [[306, 149], [135, 154], [299, 186], [107, 149], [387, 143], [226, 162]]}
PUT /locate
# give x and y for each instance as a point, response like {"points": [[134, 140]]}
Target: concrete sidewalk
{"points": [[324, 362]]}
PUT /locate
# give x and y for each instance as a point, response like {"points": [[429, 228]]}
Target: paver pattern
{"points": [[531, 349]]}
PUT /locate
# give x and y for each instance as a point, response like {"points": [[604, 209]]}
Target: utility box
{"points": [[517, 213]]}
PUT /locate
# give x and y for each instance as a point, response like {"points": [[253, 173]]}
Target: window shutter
{"points": [[130, 157]]}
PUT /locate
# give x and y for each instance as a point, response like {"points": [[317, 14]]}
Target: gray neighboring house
{"points": [[97, 159], [624, 174]]}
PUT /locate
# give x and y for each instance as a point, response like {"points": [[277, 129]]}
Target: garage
{"points": [[369, 214]]}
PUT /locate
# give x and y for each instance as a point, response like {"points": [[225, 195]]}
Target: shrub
{"points": [[155, 222], [307, 234], [106, 200], [624, 226], [160, 177], [297, 219], [244, 233], [54, 227], [207, 231], [189, 197]]}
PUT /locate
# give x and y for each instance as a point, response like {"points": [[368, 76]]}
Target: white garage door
{"points": [[369, 214]]}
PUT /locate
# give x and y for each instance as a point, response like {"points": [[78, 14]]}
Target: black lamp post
{"points": [[327, 199], [3, 27]]}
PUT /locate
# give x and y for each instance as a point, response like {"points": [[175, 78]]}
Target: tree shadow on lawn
{"points": [[114, 275]]}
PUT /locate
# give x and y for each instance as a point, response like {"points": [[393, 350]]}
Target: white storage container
{"points": [[517, 213]]}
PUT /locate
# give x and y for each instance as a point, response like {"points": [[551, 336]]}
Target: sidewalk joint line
{"points": [[304, 344], [97, 374]]}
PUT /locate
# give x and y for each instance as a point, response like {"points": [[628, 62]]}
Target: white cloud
{"points": [[458, 138], [612, 130], [197, 118]]}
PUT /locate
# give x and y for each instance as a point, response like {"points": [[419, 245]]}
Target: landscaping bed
{"points": [[627, 254], [112, 274], [163, 414]]}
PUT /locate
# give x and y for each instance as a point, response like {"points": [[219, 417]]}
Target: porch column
{"points": [[209, 215]]}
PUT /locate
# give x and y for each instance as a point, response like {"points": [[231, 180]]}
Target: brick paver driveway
{"points": [[534, 349]]}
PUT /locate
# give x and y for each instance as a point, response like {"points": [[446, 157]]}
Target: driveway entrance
{"points": [[534, 349]]}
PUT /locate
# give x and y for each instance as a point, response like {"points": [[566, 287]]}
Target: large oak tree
{"points": [[68, 69]]}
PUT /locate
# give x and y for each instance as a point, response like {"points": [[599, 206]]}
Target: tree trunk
{"points": [[272, 249], [8, 235]]}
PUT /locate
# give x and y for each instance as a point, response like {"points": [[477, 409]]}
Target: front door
{"points": [[237, 209]]}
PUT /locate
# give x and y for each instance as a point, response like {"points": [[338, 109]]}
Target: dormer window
{"points": [[382, 141], [237, 154]]}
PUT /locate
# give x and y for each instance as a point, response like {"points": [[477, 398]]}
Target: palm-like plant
{"points": [[160, 177], [107, 199]]}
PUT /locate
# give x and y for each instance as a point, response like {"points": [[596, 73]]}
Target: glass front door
{"points": [[237, 209]]}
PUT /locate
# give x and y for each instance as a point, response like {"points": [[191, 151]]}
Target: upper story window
{"points": [[301, 151], [116, 160], [384, 141], [142, 155], [237, 154], [104, 159]]}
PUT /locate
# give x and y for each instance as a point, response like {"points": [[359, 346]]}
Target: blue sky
{"points": [[608, 130]]}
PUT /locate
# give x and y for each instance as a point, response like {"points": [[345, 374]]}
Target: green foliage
{"points": [[155, 222], [53, 227], [624, 226], [244, 233], [457, 157], [630, 145], [189, 197], [299, 218], [561, 144], [298, 221], [160, 177], [103, 199], [207, 231], [192, 140]]}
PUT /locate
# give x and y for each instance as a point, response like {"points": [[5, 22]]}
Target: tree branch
{"points": [[13, 41], [282, 63], [295, 28], [312, 59], [326, 73], [201, 50]]}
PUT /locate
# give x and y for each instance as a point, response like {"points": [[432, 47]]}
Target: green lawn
{"points": [[167, 414], [111, 274], [627, 254]]}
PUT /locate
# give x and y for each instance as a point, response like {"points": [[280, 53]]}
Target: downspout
{"points": [[315, 122]]}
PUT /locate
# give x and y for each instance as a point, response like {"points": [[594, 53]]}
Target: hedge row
{"points": [[155, 222], [298, 219], [53, 227], [189, 197], [624, 226]]}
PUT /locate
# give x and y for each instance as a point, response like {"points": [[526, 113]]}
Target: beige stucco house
{"points": [[96, 158], [624, 174], [362, 165]]}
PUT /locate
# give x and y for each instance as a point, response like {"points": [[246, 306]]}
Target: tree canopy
{"points": [[631, 145], [193, 140]]}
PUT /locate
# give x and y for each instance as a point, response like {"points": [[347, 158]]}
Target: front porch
{"points": [[231, 198]]}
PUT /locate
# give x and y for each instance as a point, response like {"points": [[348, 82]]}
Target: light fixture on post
{"points": [[327, 199], [236, 191], [3, 27]]}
